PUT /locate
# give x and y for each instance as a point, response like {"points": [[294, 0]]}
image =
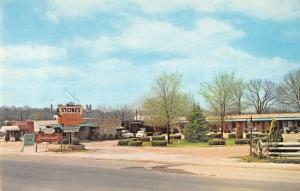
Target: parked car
{"points": [[126, 134], [141, 134]]}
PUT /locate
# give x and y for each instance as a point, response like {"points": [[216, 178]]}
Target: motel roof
{"points": [[259, 117]]}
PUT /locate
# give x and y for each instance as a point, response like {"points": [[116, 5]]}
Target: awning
{"points": [[9, 128]]}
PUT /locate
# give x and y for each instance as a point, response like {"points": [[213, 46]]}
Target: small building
{"points": [[260, 122]]}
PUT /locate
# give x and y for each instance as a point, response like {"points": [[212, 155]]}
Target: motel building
{"points": [[260, 122]]}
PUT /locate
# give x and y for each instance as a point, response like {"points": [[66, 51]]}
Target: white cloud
{"points": [[257, 9], [80, 8], [151, 35], [31, 52]]}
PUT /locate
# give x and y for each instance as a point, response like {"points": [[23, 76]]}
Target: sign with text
{"points": [[70, 129], [55, 137], [70, 115], [28, 139]]}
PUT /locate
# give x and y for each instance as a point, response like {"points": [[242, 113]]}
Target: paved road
{"points": [[44, 176]]}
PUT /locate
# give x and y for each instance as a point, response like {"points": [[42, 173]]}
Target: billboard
{"points": [[70, 115], [55, 137]]}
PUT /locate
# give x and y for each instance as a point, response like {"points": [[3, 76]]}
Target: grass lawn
{"points": [[182, 143], [188, 144]]}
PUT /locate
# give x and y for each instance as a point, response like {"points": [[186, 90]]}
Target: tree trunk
{"points": [[222, 127], [168, 131]]}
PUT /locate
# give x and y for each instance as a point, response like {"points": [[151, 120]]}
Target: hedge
{"points": [[215, 135], [231, 135], [134, 139], [145, 139], [103, 137], [159, 143], [123, 142], [110, 137], [158, 138], [241, 141], [65, 141], [135, 143], [216, 142], [75, 141], [175, 136], [149, 133]]}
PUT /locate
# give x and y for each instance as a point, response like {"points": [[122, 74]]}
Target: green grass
{"points": [[188, 144], [229, 142], [183, 143]]}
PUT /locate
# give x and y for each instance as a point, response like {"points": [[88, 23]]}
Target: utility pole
{"points": [[251, 129], [136, 114]]}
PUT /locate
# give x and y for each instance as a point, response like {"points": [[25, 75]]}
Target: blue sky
{"points": [[108, 52]]}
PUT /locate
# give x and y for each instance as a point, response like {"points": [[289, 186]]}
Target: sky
{"points": [[108, 52]]}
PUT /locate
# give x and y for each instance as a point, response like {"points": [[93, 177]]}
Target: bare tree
{"points": [[166, 102], [289, 91], [261, 94], [238, 91], [219, 95]]}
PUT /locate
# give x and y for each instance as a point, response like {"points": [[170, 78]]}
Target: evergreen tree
{"points": [[198, 127], [275, 133]]}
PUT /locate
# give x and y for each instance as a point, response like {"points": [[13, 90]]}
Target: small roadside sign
{"points": [[29, 139], [69, 129]]}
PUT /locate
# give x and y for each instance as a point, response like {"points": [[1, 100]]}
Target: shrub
{"points": [[104, 137], [134, 139], [144, 139], [65, 141], [123, 142], [215, 135], [296, 131], [92, 138], [253, 135], [175, 136], [241, 141], [158, 138], [110, 137], [288, 131], [229, 131], [216, 142], [135, 143], [262, 135], [149, 133], [159, 143], [246, 131], [232, 136], [75, 141]]}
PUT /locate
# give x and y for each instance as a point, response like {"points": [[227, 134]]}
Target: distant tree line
{"points": [[29, 113]]}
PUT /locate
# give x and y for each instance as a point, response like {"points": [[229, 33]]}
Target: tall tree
{"points": [[166, 101], [219, 95], [289, 90], [261, 94], [275, 133], [238, 92], [197, 129]]}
